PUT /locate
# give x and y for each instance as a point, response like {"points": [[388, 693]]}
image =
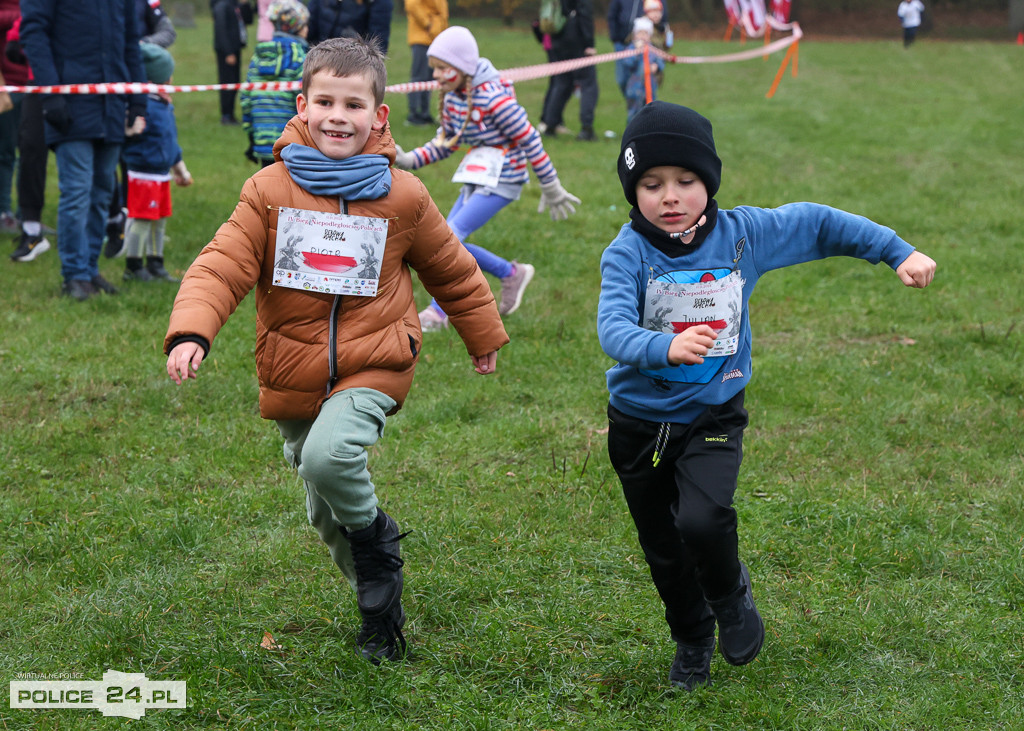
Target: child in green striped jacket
{"points": [[265, 113]]}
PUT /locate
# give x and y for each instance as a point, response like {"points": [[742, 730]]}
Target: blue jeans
{"points": [[85, 178]]}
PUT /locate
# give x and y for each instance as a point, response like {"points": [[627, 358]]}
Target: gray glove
{"points": [[404, 160], [558, 199]]}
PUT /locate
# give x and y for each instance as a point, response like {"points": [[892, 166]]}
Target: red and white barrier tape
{"points": [[523, 73]]}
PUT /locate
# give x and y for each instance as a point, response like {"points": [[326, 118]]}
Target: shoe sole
{"points": [[530, 271], [40, 248]]}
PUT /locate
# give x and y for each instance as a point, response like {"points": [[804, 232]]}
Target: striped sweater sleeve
{"points": [[511, 119]]}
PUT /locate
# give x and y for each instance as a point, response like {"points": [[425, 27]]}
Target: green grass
{"points": [[153, 528]]}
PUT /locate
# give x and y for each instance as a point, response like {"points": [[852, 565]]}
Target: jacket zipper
{"points": [[332, 331]]}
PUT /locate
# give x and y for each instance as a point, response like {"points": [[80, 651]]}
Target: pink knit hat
{"points": [[456, 47]]}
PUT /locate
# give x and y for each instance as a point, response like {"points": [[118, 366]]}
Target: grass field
{"points": [[157, 529]]}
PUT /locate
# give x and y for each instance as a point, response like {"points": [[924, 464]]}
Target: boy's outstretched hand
{"points": [[691, 345], [183, 361], [485, 364], [917, 270]]}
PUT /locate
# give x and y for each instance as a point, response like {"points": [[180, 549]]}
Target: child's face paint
{"points": [[448, 77]]}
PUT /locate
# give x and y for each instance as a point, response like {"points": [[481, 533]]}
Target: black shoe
{"points": [[77, 289], [137, 275], [155, 265], [378, 565], [740, 627], [586, 135], [381, 638], [228, 121], [102, 285], [379, 581], [30, 247], [691, 667], [114, 245]]}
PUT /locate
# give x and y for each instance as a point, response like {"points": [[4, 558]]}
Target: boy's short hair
{"points": [[348, 57], [668, 134]]}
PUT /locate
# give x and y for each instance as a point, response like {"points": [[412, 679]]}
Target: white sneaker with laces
{"points": [[431, 320], [513, 286]]}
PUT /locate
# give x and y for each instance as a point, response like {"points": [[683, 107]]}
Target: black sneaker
{"points": [[586, 135], [30, 247], [155, 265], [381, 638], [77, 289], [378, 565], [691, 667], [102, 285], [379, 581], [114, 245], [740, 627], [137, 275]]}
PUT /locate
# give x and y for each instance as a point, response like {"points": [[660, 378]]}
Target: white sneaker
{"points": [[513, 286], [431, 320]]}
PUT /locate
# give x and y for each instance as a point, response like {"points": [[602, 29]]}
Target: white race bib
{"points": [[676, 306], [331, 253], [481, 166]]}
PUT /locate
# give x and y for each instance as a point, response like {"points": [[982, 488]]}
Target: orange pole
{"points": [[782, 69], [647, 76], [796, 57], [728, 32]]}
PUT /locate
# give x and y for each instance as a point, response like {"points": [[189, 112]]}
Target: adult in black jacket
{"points": [[229, 38], [575, 41], [75, 42], [341, 18]]}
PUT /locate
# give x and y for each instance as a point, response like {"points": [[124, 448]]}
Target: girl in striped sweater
{"points": [[480, 111]]}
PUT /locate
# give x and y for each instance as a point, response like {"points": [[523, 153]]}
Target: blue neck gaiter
{"points": [[360, 177]]}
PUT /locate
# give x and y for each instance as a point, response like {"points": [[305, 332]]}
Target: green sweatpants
{"points": [[329, 453]]}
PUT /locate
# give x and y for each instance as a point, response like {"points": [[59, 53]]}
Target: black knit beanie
{"points": [[668, 134]]}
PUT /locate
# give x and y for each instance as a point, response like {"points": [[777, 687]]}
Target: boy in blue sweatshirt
{"points": [[675, 284]]}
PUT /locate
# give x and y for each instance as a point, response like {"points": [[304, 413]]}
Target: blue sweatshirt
{"points": [[156, 150], [744, 242]]}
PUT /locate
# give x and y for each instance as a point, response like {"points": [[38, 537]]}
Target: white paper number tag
{"points": [[481, 166], [332, 253], [677, 306]]}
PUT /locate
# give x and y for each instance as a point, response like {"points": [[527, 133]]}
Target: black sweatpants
{"points": [[682, 506], [32, 152], [228, 74]]}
